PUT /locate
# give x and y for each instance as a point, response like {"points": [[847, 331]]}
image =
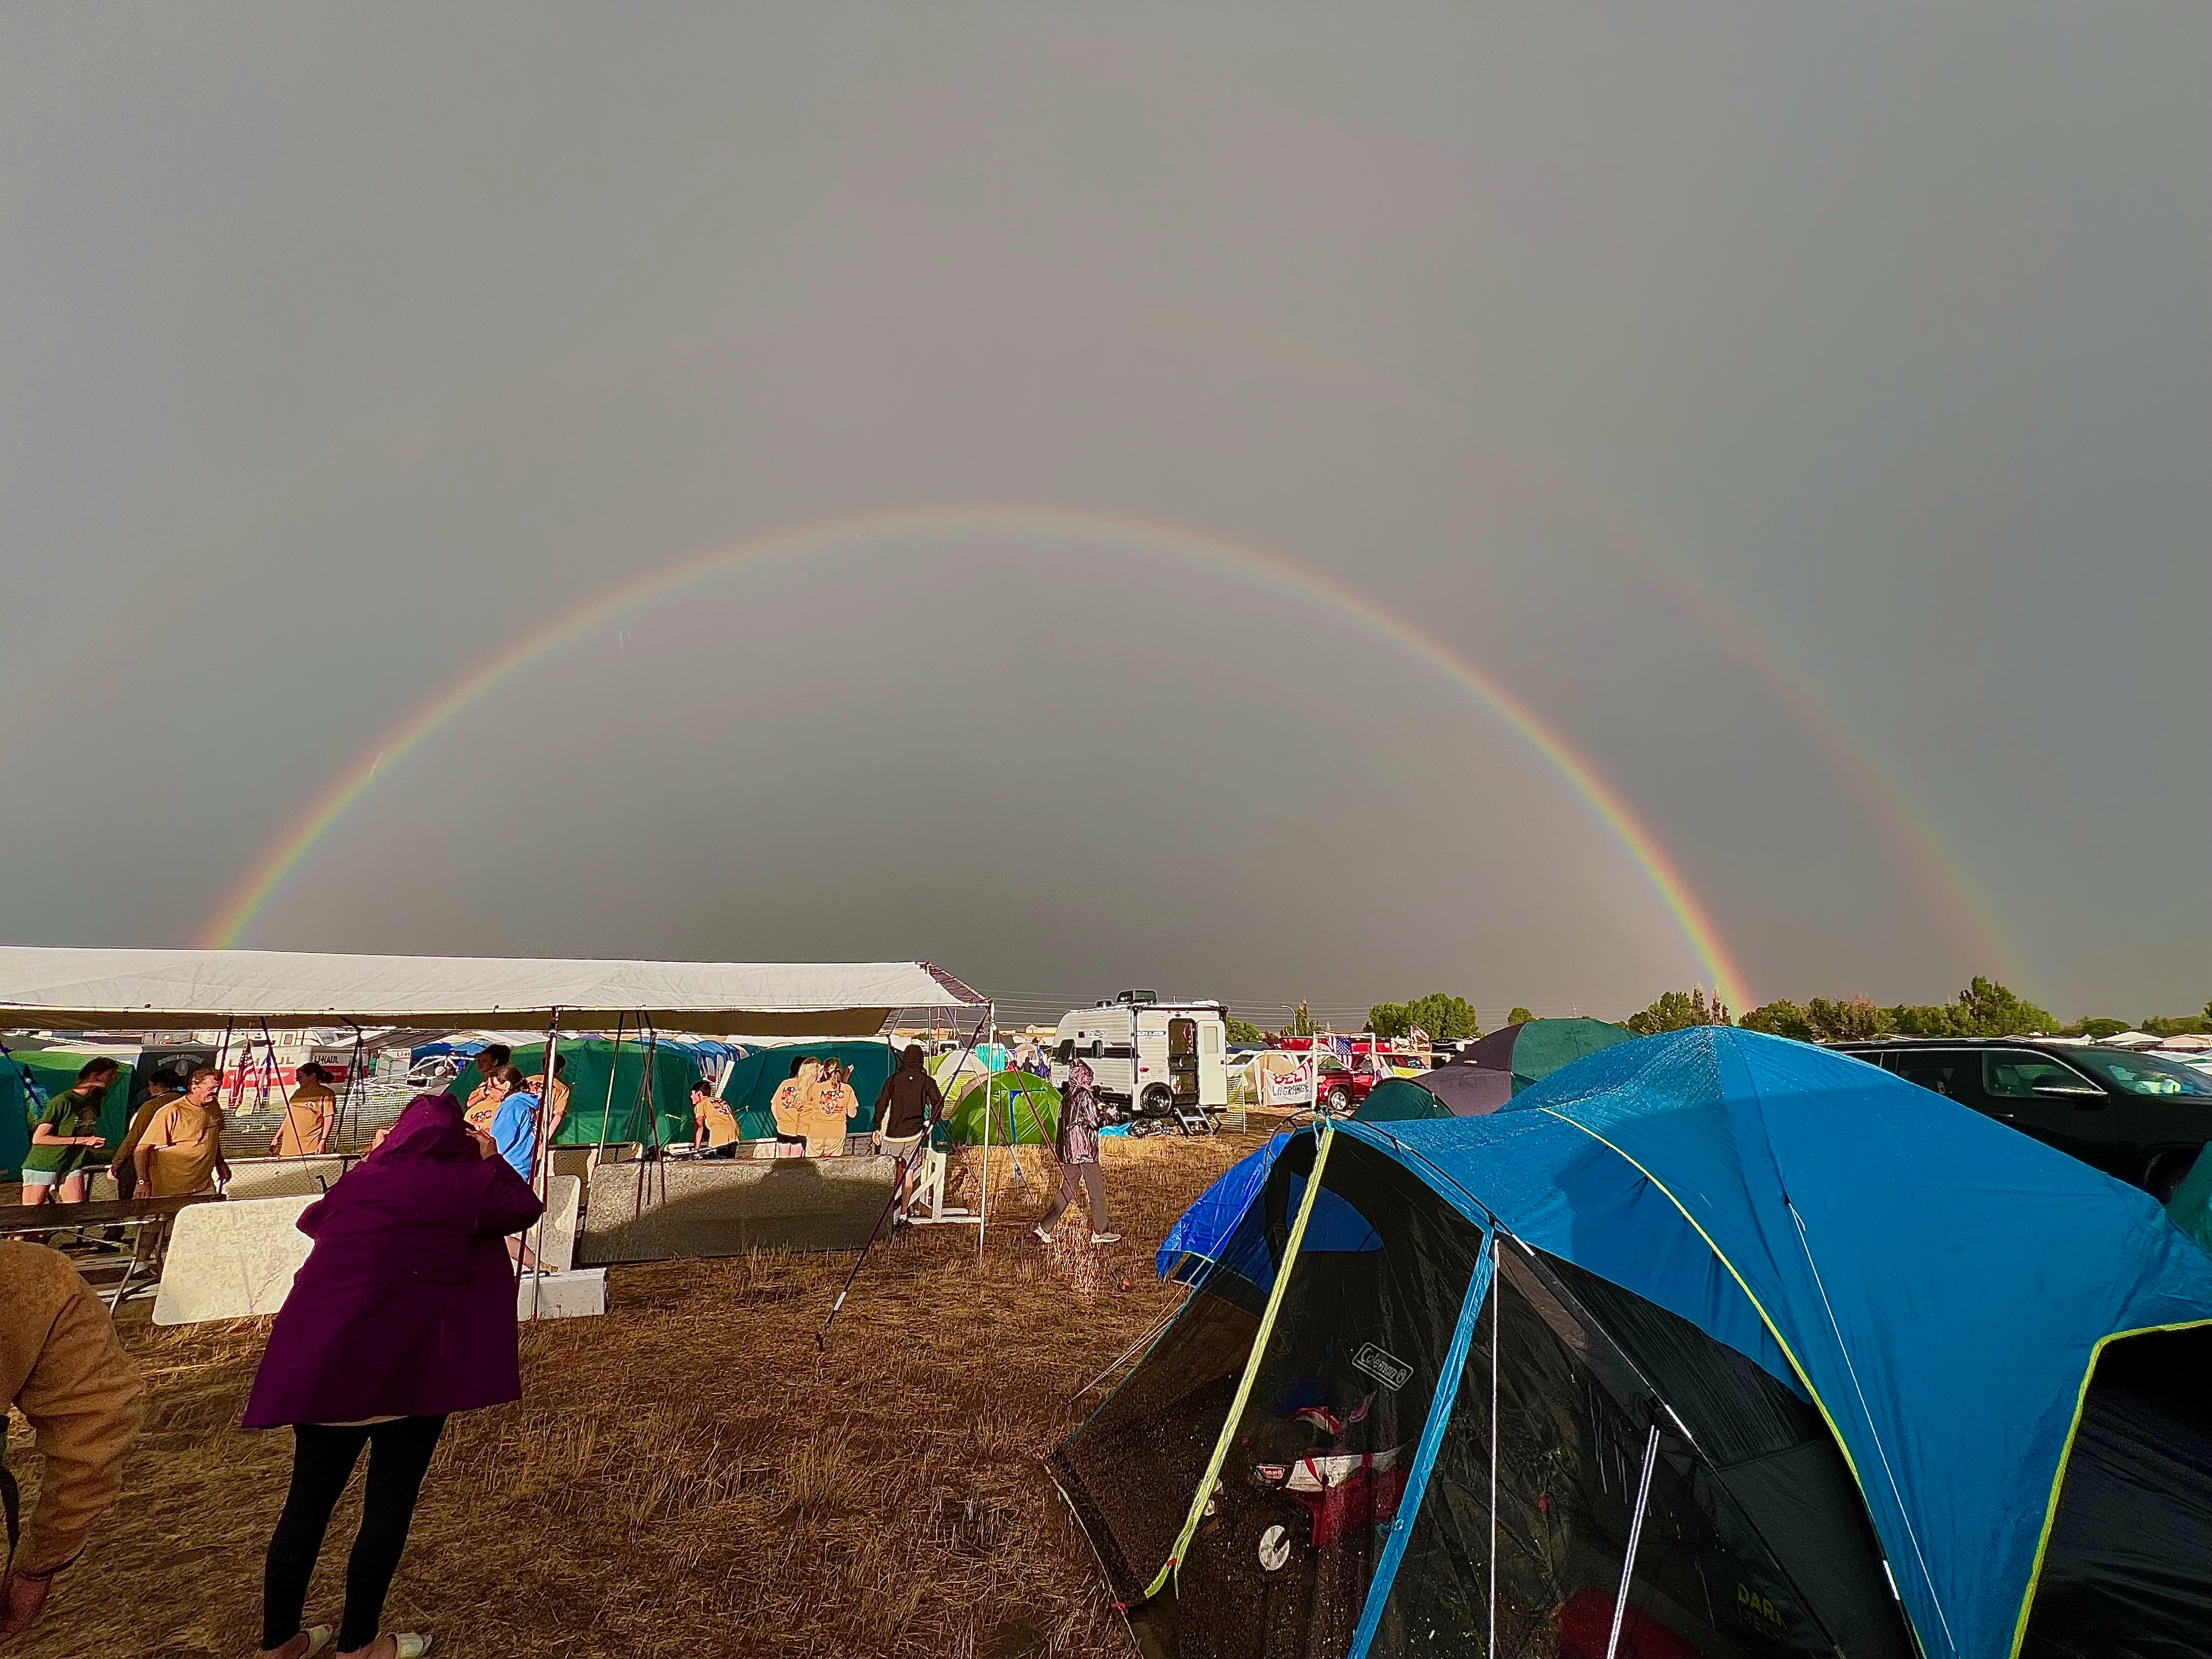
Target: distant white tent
{"points": [[64, 988]]}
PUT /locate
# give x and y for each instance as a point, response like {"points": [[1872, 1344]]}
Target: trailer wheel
{"points": [[1159, 1100]]}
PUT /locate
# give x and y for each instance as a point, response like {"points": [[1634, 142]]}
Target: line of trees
{"points": [[1441, 1016], [1985, 1008]]}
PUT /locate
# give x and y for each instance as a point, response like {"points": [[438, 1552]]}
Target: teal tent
{"points": [[1024, 1111], [1399, 1100], [1535, 1048], [2190, 1206]]}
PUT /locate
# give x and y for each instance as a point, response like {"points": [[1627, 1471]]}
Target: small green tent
{"points": [[1399, 1100], [1024, 1111], [586, 1065], [52, 1070]]}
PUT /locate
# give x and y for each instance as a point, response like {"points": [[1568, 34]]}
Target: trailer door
{"points": [[1182, 1061]]}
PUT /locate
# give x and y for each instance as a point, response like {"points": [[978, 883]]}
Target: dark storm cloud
{"points": [[1803, 412]]}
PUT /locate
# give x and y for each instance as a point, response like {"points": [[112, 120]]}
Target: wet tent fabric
{"points": [[1535, 1048], [1024, 1111], [51, 1070], [1447, 1091], [1882, 1264], [588, 1062], [1901, 1250]]}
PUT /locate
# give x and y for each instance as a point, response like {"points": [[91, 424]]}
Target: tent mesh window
{"points": [[2127, 1571], [1129, 1472], [1318, 1460], [1577, 1392]]}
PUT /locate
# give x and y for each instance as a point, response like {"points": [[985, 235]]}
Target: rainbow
{"points": [[284, 855]]}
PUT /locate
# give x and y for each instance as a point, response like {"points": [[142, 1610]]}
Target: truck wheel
{"points": [[1159, 1100], [1339, 1099]]}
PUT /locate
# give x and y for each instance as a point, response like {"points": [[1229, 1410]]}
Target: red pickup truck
{"points": [[1342, 1088]]}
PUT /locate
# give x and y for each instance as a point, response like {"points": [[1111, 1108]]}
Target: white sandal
{"points": [[318, 1641]]}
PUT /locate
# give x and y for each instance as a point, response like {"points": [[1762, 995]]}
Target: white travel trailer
{"points": [[1153, 1058]]}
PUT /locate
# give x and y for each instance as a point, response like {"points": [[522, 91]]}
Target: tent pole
{"points": [[1635, 1534], [613, 1065], [920, 1146], [541, 1160], [1497, 1315]]}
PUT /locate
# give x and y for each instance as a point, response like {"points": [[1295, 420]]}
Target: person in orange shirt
{"points": [[181, 1151], [833, 1105], [483, 1104], [716, 1124], [308, 1115], [793, 1107]]}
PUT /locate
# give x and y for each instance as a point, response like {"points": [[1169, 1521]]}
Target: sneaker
{"points": [[1105, 1238], [1040, 1235]]}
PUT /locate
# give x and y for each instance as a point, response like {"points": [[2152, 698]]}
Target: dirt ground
{"points": [[687, 1474]]}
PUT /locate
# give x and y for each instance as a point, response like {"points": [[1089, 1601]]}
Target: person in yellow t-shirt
{"points": [[309, 1115], [181, 1151], [833, 1104], [793, 1106], [716, 1124]]}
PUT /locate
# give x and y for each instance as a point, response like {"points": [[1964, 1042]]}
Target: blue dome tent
{"points": [[1710, 1344]]}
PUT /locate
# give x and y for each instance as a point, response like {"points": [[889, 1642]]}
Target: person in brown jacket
{"points": [[65, 1371]]}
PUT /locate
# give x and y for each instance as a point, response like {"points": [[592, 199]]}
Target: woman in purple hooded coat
{"points": [[404, 1313]]}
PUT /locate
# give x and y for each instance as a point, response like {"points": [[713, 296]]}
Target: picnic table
{"points": [[116, 1244]]}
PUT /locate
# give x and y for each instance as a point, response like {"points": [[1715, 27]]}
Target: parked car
{"points": [[1342, 1088], [2138, 1116]]}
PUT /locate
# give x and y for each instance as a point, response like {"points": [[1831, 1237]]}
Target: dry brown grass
{"points": [[688, 1475]]}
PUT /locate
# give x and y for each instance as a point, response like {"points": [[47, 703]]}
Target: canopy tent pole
{"points": [[541, 1157], [1635, 1535], [607, 1112], [921, 1147]]}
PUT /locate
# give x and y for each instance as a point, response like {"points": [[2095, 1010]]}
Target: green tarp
{"points": [[53, 1070], [1033, 1105]]}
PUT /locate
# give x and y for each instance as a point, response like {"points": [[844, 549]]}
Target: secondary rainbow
{"points": [[284, 854]]}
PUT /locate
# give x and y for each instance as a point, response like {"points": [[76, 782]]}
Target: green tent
{"points": [[2190, 1206], [1029, 1104], [587, 1065], [1397, 1100], [52, 1070], [1535, 1048], [754, 1082]]}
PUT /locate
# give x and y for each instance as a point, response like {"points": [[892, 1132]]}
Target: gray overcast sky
{"points": [[1805, 412]]}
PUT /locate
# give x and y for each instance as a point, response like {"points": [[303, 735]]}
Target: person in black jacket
{"points": [[906, 1106]]}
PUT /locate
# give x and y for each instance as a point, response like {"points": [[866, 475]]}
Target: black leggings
{"points": [[1094, 1193], [322, 1463]]}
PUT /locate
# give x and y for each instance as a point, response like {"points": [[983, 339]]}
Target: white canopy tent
{"points": [[65, 988]]}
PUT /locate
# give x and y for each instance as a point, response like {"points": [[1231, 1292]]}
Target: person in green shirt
{"points": [[65, 1138]]}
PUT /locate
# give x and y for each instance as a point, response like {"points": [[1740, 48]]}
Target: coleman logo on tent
{"points": [[1390, 1371]]}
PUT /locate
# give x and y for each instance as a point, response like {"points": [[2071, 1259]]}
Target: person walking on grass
{"points": [[65, 1140], [1077, 1147], [403, 1315]]}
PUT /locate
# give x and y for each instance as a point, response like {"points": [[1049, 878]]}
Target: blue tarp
{"points": [[1939, 1284]]}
